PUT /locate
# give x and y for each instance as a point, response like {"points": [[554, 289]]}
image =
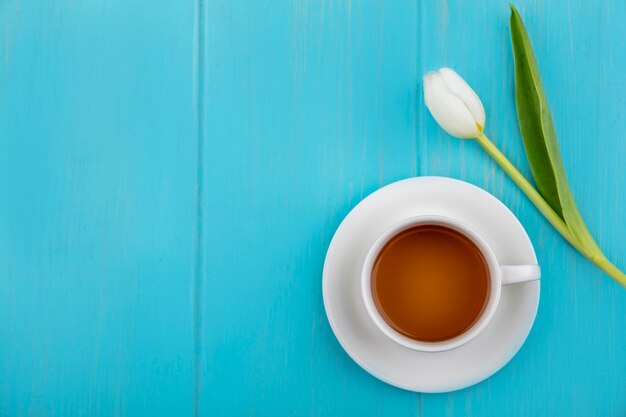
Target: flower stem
{"points": [[555, 220], [610, 269], [530, 191]]}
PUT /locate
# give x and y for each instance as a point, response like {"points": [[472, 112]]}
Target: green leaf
{"points": [[539, 135]]}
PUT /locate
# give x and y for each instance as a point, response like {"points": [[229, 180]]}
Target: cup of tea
{"points": [[431, 283]]}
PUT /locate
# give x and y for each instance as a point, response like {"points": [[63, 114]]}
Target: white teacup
{"points": [[499, 275]]}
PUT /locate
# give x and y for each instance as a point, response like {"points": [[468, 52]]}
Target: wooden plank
{"points": [[310, 106], [97, 184], [573, 363]]}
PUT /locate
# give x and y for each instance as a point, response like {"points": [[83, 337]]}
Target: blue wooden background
{"points": [[172, 172]]}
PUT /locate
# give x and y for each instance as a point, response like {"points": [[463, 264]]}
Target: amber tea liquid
{"points": [[430, 283]]}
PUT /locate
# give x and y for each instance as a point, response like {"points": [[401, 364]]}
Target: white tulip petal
{"points": [[459, 88], [452, 114]]}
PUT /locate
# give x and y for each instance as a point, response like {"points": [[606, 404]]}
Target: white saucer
{"points": [[368, 346]]}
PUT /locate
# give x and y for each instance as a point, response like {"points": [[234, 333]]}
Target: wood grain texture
{"points": [[97, 156], [171, 174], [573, 363], [309, 108]]}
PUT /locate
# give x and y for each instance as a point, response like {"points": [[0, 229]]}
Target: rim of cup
{"points": [[489, 309]]}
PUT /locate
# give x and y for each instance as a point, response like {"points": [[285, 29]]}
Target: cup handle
{"points": [[513, 274]]}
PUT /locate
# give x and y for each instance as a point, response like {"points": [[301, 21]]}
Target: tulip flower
{"points": [[453, 104], [459, 111]]}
